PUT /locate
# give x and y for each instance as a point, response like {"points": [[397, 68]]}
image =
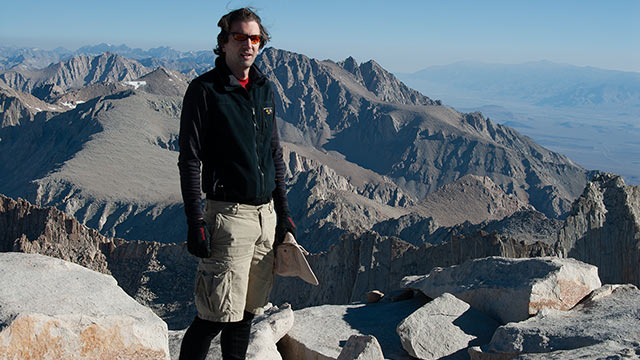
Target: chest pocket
{"points": [[264, 116]]}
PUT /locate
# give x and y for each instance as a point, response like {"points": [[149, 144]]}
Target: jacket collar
{"points": [[255, 75]]}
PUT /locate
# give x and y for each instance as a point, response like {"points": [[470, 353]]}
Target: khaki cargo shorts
{"points": [[239, 274]]}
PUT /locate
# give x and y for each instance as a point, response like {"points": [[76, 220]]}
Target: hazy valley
{"points": [[589, 114]]}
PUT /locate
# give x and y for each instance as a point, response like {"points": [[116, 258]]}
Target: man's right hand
{"points": [[283, 226], [199, 239]]}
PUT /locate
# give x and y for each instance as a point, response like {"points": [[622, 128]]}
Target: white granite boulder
{"points": [[606, 323], [53, 309], [322, 332], [361, 347], [511, 289], [446, 326], [266, 331]]}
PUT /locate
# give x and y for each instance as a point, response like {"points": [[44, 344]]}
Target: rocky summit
{"points": [[160, 276], [447, 327]]}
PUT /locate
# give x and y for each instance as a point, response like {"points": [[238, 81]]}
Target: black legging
{"points": [[234, 339]]}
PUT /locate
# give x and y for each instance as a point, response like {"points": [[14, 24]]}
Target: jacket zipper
{"points": [[255, 126]]}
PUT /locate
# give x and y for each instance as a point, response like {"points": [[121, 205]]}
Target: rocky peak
{"points": [[17, 79], [17, 108], [316, 97], [383, 84], [162, 81], [388, 88], [476, 120], [108, 67], [351, 66], [74, 73], [603, 229], [289, 68], [322, 97]]}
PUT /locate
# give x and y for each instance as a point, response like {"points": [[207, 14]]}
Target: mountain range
{"points": [[383, 181], [34, 58], [109, 159], [366, 147], [586, 113]]}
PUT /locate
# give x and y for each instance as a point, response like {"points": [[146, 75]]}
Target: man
{"points": [[228, 124]]}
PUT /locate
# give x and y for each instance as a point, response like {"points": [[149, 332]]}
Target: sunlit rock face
{"points": [[603, 229], [44, 315]]}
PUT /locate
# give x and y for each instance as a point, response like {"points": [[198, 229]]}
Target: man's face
{"points": [[240, 55]]}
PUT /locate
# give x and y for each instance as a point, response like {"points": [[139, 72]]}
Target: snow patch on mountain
{"points": [[136, 84]]}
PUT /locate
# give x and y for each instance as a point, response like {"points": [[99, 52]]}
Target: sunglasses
{"points": [[255, 39]]}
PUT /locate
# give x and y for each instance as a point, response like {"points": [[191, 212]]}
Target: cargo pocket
{"points": [[213, 290]]}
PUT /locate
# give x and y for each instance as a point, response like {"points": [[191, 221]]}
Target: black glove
{"points": [[199, 239], [284, 225]]}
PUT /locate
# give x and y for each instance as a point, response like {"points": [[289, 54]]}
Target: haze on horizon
{"points": [[403, 37]]}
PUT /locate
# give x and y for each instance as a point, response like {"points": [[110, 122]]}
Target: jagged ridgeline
{"points": [[96, 136], [367, 115]]}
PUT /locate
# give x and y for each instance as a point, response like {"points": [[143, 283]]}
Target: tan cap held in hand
{"points": [[290, 261]]}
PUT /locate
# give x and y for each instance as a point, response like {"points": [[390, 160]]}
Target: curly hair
{"points": [[242, 14]]}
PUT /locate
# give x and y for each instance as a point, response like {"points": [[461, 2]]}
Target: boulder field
{"points": [[489, 308]]}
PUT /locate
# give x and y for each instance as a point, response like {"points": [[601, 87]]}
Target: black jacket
{"points": [[232, 131]]}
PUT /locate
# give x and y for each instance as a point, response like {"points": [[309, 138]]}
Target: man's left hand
{"points": [[198, 239]]}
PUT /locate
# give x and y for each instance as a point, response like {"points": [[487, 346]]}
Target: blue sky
{"points": [[403, 36]]}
